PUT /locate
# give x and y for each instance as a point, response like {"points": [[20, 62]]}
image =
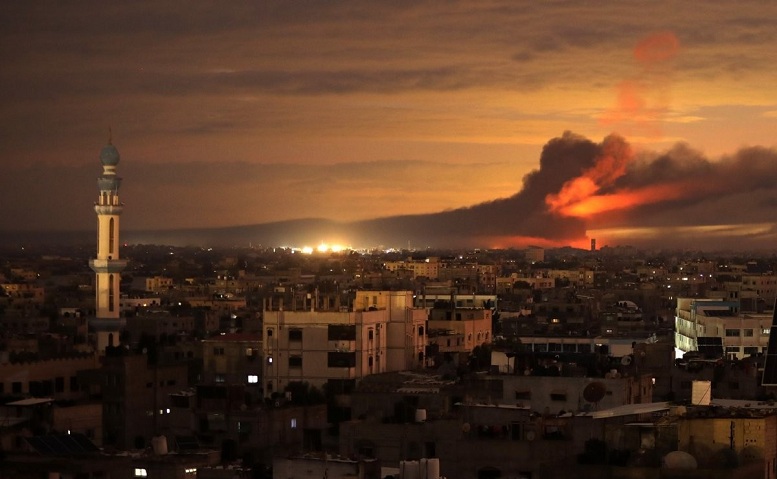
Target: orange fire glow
{"points": [[503, 242], [596, 204], [609, 166]]}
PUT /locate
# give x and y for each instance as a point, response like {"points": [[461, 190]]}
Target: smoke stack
{"points": [[593, 244]]}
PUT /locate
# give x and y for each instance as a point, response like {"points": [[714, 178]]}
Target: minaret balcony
{"points": [[107, 265], [108, 209]]}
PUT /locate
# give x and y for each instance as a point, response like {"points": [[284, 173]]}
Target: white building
{"points": [[742, 334]]}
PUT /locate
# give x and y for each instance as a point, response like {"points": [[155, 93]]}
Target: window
{"points": [[747, 332], [73, 384], [269, 333], [295, 361], [295, 335], [16, 387], [293, 423], [421, 331], [732, 349], [219, 378], [558, 396], [523, 395], [765, 330], [253, 379], [732, 332], [341, 332], [140, 472], [218, 351], [59, 384], [336, 359], [110, 299], [370, 334], [751, 350]]}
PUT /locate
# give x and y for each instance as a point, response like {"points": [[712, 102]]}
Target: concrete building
{"points": [[55, 378], [742, 334], [382, 332], [234, 358], [108, 266], [428, 268], [136, 398]]}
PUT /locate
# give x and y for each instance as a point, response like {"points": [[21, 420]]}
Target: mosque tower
{"points": [[107, 266]]}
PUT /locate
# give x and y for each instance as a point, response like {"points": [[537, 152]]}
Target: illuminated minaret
{"points": [[107, 265]]}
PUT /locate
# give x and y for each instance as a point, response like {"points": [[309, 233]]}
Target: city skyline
{"points": [[260, 113]]}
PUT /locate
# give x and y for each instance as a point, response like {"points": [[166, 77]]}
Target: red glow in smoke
{"points": [[579, 197], [657, 48], [609, 166], [503, 242], [624, 199], [641, 101]]}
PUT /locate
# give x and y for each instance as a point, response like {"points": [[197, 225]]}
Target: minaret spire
{"points": [[108, 265]]}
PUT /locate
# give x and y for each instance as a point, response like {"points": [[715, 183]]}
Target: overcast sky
{"points": [[242, 112]]}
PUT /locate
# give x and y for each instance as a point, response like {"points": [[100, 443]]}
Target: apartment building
{"points": [[742, 334], [382, 332]]}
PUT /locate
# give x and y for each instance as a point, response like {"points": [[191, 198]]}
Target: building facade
{"points": [[382, 332]]}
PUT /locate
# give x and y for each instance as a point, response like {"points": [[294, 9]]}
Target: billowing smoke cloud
{"points": [[574, 197], [678, 198]]}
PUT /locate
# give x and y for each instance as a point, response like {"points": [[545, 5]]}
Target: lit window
{"points": [[294, 423], [140, 472], [253, 379]]}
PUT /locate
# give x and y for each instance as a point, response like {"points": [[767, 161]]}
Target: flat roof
{"points": [[631, 409], [30, 402]]}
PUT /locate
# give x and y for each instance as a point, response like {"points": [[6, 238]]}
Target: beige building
{"points": [[428, 268], [742, 334], [382, 332], [156, 284]]}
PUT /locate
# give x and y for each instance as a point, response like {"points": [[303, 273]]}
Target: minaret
{"points": [[107, 265]]}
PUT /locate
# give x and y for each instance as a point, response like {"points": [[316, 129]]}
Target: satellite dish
{"points": [[594, 392], [626, 360]]}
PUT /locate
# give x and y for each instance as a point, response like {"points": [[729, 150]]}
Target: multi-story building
{"points": [[742, 334], [55, 377], [382, 332], [428, 268], [136, 398], [233, 358], [156, 284]]}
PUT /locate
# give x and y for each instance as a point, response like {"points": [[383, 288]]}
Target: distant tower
{"points": [[107, 265], [593, 244]]}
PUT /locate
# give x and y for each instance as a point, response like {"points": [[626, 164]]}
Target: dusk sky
{"points": [[236, 113]]}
